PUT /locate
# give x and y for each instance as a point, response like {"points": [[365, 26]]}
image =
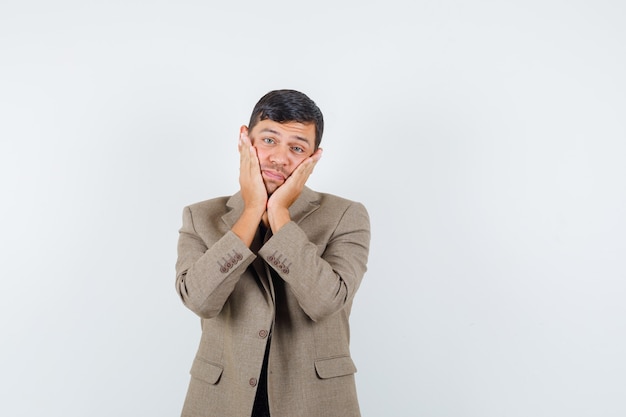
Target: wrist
{"points": [[255, 212], [247, 224], [278, 217]]}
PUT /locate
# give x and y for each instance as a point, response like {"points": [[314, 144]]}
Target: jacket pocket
{"points": [[206, 371], [334, 367]]}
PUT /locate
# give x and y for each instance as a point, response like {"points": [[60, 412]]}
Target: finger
{"points": [[254, 159], [245, 143], [317, 155], [244, 139], [309, 164], [243, 155], [300, 176]]}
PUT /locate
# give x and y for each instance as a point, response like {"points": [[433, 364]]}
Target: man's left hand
{"points": [[285, 195]]}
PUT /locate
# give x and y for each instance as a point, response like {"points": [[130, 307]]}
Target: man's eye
{"points": [[268, 140], [298, 149]]}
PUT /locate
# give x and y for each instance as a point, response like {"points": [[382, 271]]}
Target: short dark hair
{"points": [[284, 106]]}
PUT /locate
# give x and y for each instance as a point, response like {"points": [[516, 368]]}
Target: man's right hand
{"points": [[250, 180], [252, 188]]}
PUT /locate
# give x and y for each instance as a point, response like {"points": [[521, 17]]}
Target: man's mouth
{"points": [[273, 175]]}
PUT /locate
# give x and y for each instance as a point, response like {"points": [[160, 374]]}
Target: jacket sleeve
{"points": [[206, 276], [322, 284]]}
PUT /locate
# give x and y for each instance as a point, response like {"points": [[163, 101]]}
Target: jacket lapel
{"points": [[306, 204], [235, 208]]}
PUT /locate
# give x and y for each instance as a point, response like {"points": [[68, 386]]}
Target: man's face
{"points": [[281, 147]]}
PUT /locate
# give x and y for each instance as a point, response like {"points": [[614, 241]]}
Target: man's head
{"points": [[289, 106], [285, 128]]}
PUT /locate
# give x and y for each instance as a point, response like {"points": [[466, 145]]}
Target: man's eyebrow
{"points": [[268, 130], [302, 138]]}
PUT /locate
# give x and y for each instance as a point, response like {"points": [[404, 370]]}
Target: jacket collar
{"points": [[307, 203]]}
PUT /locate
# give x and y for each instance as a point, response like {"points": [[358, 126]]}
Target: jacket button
{"points": [[252, 382], [262, 334]]}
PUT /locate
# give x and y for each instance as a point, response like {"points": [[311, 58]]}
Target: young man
{"points": [[272, 272]]}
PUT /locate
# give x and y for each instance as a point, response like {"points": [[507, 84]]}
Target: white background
{"points": [[487, 139]]}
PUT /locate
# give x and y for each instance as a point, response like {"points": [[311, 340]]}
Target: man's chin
{"points": [[270, 188]]}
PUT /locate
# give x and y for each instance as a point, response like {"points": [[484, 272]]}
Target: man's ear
{"points": [[243, 129]]}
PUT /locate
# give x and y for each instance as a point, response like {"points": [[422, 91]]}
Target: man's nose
{"points": [[280, 155]]}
